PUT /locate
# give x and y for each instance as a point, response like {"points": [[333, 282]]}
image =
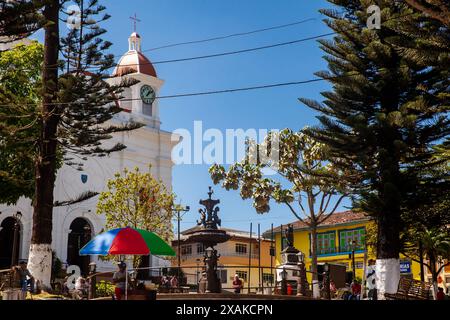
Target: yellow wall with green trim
{"points": [[302, 243]]}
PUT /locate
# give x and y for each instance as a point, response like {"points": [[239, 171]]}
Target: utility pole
{"points": [[17, 216], [353, 259], [178, 209], [260, 274], [249, 259], [272, 254]]}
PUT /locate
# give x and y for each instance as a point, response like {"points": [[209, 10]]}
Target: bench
{"points": [[410, 289]]}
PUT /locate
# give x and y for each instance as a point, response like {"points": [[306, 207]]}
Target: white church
{"points": [[74, 225]]}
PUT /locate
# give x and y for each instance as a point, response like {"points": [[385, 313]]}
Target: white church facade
{"points": [[75, 224]]}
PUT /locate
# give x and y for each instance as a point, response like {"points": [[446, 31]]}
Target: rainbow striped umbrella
{"points": [[127, 241]]}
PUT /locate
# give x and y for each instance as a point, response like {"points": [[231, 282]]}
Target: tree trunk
{"points": [[422, 273], [434, 274], [388, 263], [388, 244], [315, 278], [40, 255], [390, 185]]}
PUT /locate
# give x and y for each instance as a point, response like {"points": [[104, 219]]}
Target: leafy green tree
{"points": [[434, 244], [386, 110], [429, 215], [137, 200], [75, 107], [19, 84], [305, 182]]}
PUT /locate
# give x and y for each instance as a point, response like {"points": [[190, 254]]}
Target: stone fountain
{"points": [[209, 235]]}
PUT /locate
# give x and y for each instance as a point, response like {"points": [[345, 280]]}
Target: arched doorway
{"points": [[7, 242], [80, 234]]}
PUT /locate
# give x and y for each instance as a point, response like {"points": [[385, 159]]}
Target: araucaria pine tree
{"points": [[386, 110], [436, 9], [75, 109]]}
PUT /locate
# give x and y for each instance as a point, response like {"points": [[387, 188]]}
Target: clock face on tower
{"points": [[147, 94]]}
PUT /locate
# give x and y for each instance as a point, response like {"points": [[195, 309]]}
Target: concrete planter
{"points": [[11, 294]]}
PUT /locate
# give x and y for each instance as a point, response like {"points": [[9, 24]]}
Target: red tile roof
{"points": [[132, 62], [335, 219]]}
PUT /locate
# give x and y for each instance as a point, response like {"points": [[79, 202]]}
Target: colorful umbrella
{"points": [[127, 241]]}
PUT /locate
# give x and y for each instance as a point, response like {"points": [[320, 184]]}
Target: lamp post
{"points": [[179, 209], [353, 244], [212, 281], [85, 260], [326, 281], [283, 274], [301, 285], [198, 265], [17, 217], [93, 280], [207, 260]]}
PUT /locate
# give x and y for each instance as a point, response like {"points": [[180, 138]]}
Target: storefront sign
{"points": [[405, 266]]}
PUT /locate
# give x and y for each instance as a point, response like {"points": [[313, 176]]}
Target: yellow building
{"points": [[234, 259], [334, 243]]}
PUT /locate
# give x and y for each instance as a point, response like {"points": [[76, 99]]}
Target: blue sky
{"points": [[172, 21]]}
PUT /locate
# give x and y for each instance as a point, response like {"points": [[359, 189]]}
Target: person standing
{"points": [[174, 282], [119, 279], [333, 289], [25, 279], [202, 283], [80, 291], [370, 280], [356, 290], [237, 284], [440, 295]]}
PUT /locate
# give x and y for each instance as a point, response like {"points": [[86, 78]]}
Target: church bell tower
{"points": [[139, 100]]}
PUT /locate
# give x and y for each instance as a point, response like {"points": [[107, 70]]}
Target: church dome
{"points": [[134, 61]]}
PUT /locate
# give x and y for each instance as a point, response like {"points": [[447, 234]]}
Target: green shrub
{"points": [[104, 289]]}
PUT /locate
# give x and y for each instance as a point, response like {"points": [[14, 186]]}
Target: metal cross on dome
{"points": [[135, 20]]}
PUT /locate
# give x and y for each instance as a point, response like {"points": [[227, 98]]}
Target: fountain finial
{"points": [[210, 193], [209, 215]]}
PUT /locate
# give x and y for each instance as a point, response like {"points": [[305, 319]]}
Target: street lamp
{"points": [[212, 280], [301, 285], [93, 280], [87, 232], [209, 252], [17, 217], [92, 267], [301, 257], [178, 209], [198, 264]]}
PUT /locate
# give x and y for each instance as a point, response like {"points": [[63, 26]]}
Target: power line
{"points": [[223, 53], [202, 93], [283, 84], [228, 90], [230, 35], [215, 55], [242, 51]]}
